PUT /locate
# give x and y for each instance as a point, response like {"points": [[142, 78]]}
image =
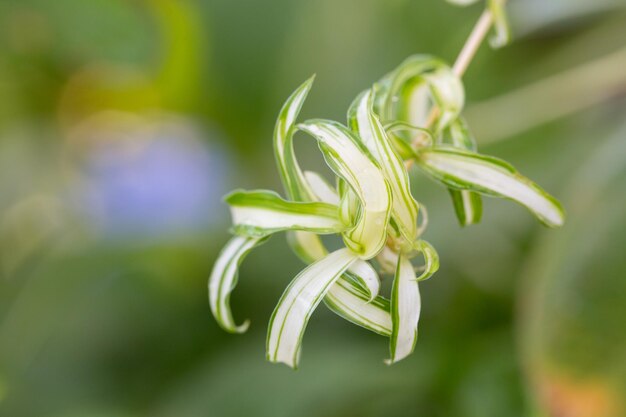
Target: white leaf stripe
{"points": [[405, 311], [351, 163], [348, 301], [467, 204], [323, 191], [431, 259], [310, 248], [366, 277], [223, 280], [351, 296], [470, 171], [354, 295], [307, 245], [290, 172], [369, 128], [298, 302], [262, 212]]}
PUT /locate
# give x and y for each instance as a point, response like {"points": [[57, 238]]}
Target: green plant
{"points": [[411, 116]]}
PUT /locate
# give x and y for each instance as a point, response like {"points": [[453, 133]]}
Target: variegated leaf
{"points": [[290, 172], [369, 129], [350, 162], [405, 311], [259, 213], [468, 205], [407, 94], [349, 301], [223, 280], [501, 30], [471, 171], [298, 302]]}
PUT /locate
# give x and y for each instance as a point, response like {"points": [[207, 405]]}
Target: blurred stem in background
{"points": [[551, 98]]}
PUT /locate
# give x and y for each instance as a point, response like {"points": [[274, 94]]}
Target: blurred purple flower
{"points": [[153, 180]]}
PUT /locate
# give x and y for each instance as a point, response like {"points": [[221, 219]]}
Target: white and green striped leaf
{"points": [[501, 30], [223, 280], [322, 190], [302, 296], [354, 296], [405, 311], [259, 213], [366, 124], [350, 162], [349, 301], [360, 271], [471, 171], [431, 259], [307, 245], [468, 205], [408, 93], [290, 172], [349, 205]]}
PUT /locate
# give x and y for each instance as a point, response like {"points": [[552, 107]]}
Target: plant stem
{"points": [[473, 42], [463, 60]]}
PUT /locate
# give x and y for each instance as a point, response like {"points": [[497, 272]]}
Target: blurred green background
{"points": [[122, 123]]}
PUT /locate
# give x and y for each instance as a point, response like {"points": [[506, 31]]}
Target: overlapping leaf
{"points": [[367, 125], [471, 171], [223, 280], [259, 213], [350, 162], [298, 302]]}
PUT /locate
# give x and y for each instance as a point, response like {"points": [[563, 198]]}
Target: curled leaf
{"points": [[290, 172], [471, 171], [501, 30], [468, 205], [431, 259], [298, 302], [350, 162], [405, 311], [366, 124], [223, 280], [259, 213], [349, 301]]}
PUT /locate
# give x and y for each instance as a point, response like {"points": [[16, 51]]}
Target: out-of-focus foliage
{"points": [[124, 122]]}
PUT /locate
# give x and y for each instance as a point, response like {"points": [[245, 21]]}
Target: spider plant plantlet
{"points": [[411, 116]]}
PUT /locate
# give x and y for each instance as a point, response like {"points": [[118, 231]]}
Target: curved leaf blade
{"points": [[298, 302], [405, 311], [350, 162], [349, 301], [471, 171], [224, 278], [431, 259], [468, 205], [290, 172], [406, 93], [322, 190], [367, 125], [260, 212], [501, 30]]}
